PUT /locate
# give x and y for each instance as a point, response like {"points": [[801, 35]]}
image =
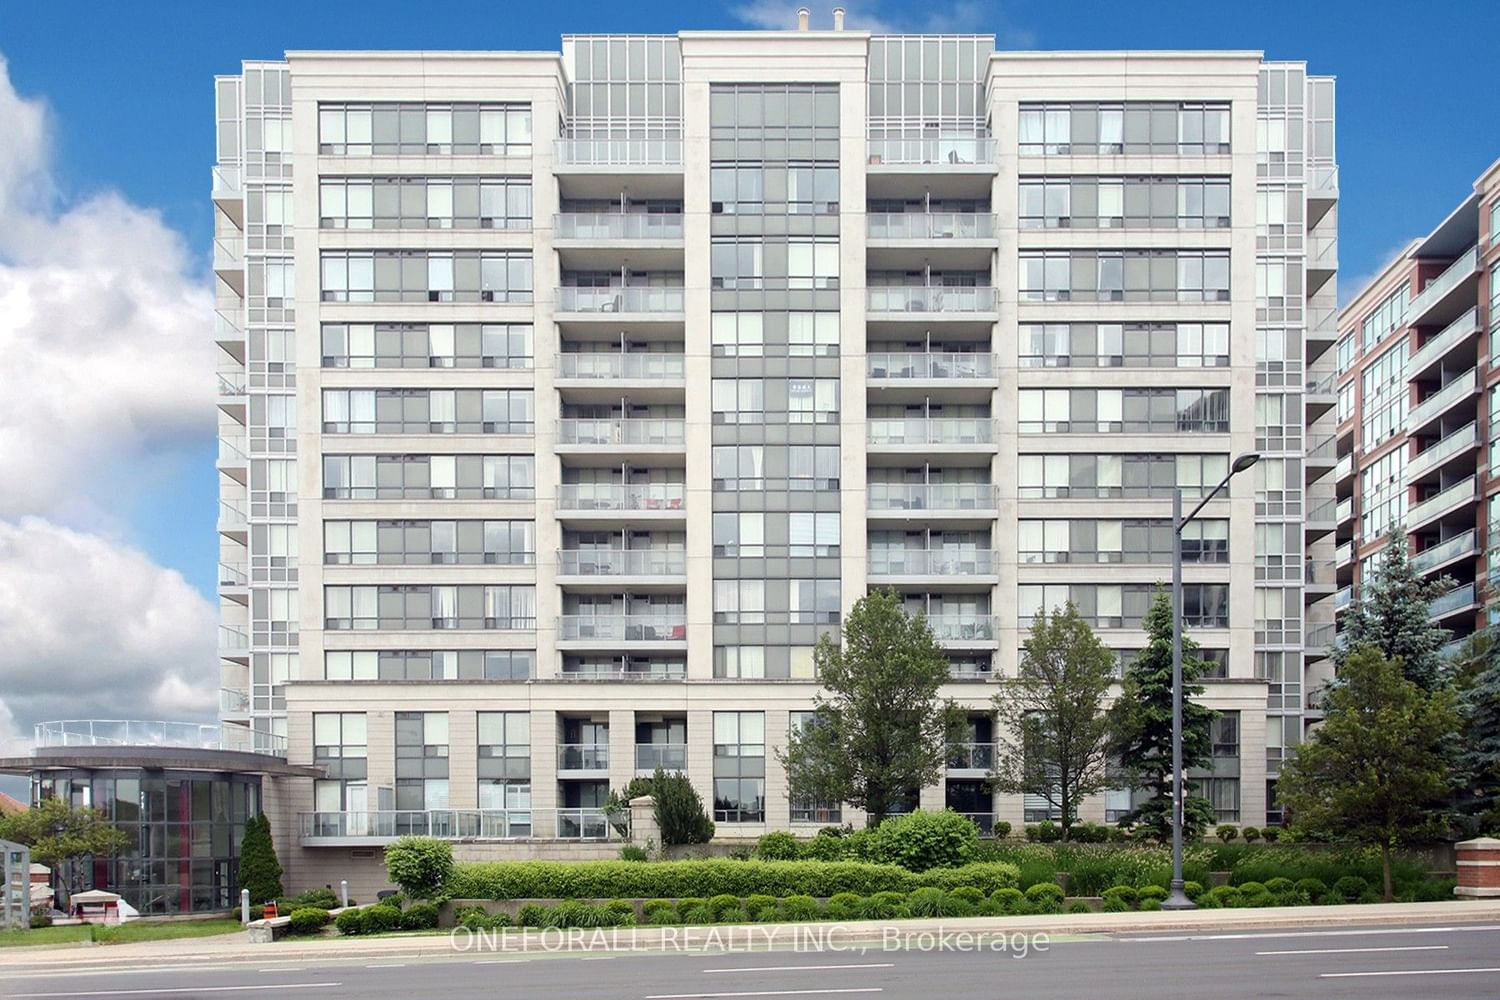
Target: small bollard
{"points": [[244, 906], [344, 891]]}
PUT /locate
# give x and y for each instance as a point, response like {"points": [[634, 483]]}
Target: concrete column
{"points": [[643, 826], [621, 747], [1478, 868]]}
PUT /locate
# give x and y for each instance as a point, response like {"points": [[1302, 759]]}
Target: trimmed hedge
{"points": [[714, 877], [309, 920]]}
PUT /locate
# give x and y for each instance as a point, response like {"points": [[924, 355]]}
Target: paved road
{"points": [[1431, 962]]}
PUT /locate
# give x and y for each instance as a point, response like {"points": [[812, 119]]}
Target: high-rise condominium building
{"points": [[1417, 410], [569, 397]]}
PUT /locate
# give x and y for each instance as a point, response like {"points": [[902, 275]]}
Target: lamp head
{"points": [[1244, 462]]}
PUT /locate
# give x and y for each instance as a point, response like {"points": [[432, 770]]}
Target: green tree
{"points": [[1392, 613], [883, 729], [56, 833], [679, 810], [1477, 752], [419, 865], [1375, 771], [260, 869], [1141, 727], [1053, 733]]}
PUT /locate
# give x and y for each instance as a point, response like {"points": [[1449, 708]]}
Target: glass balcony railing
{"points": [[1344, 468], [1344, 511], [1433, 507], [618, 152], [1319, 572], [1344, 554], [1323, 181], [583, 756], [232, 451], [929, 299], [1322, 252], [231, 383], [467, 824], [1445, 552], [1455, 600], [226, 325], [650, 431], [1466, 264], [1323, 451], [962, 627], [1443, 400], [1321, 636], [619, 496], [950, 151], [1321, 513], [1438, 346], [229, 253], [232, 640], [233, 701], [645, 299], [930, 225], [667, 756], [930, 562], [623, 628], [944, 430], [234, 574], [1343, 598], [971, 756], [933, 365], [226, 182], [931, 496], [137, 733], [619, 226], [621, 562], [620, 365], [1434, 455], [230, 516], [625, 671]]}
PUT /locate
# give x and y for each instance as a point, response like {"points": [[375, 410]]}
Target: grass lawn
{"points": [[119, 934]]}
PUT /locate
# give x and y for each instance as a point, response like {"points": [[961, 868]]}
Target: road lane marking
{"points": [[1403, 972], [501, 961], [1352, 951], [760, 993], [803, 968], [1460, 929], [394, 965], [182, 989]]}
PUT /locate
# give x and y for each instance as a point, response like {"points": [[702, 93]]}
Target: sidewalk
{"points": [[737, 937]]}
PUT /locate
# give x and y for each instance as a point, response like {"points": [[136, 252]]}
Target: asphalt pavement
{"points": [[1429, 961]]}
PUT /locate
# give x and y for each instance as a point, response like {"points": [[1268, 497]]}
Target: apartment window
{"points": [[740, 662], [1205, 605], [1124, 276], [1157, 127], [415, 543], [739, 767], [429, 477], [1385, 317], [1223, 794], [811, 334], [340, 744], [738, 335], [429, 665], [741, 602], [805, 808], [424, 202], [463, 606], [738, 400], [738, 467], [1141, 540], [421, 766], [813, 534], [1346, 348], [426, 276], [1114, 411], [428, 411], [427, 345], [504, 741], [739, 534], [386, 129], [814, 602], [1383, 396], [773, 188], [1147, 202], [812, 400], [812, 467], [1382, 494]]}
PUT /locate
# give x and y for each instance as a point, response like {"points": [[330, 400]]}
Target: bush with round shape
{"points": [[723, 901], [308, 920], [1192, 890], [1008, 898], [381, 919], [1089, 833], [1279, 885], [1272, 834], [1155, 892], [926, 839], [697, 915], [350, 922], [1315, 888], [1119, 835], [967, 893], [1350, 888], [1114, 904], [1001, 830], [634, 852], [1046, 897], [988, 908], [843, 906], [531, 915], [759, 901], [778, 845], [420, 917], [659, 911], [883, 906], [1150, 904], [1124, 893], [1225, 895], [1226, 832], [1251, 834], [1079, 906], [419, 865], [799, 907], [1032, 833], [1252, 888], [1048, 832], [623, 911], [474, 918], [322, 897]]}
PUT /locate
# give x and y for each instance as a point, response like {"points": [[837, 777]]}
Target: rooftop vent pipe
{"points": [[838, 19], [803, 15]]}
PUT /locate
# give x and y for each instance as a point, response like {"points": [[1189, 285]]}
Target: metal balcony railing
{"points": [[1466, 264], [931, 496], [1440, 451], [620, 365], [1322, 512], [229, 253], [667, 756], [618, 226], [233, 701], [937, 430], [930, 562], [623, 628], [1440, 402], [930, 225], [618, 152], [612, 496], [1344, 511], [625, 672], [951, 151], [621, 562], [647, 299], [583, 756], [930, 299], [1466, 543], [934, 365], [138, 733], [971, 756]]}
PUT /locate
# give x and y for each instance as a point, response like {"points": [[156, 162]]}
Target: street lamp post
{"points": [[1177, 899]]}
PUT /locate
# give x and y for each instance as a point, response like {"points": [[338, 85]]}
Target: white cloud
{"points": [[1351, 285], [104, 328], [90, 628]]}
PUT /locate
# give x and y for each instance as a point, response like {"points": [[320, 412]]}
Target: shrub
{"points": [[1192, 890], [531, 915], [1119, 835], [1156, 892], [419, 865], [321, 897], [679, 810], [652, 906], [1251, 834], [1350, 887], [1001, 830], [623, 910], [884, 906], [1115, 904], [778, 845], [1090, 833], [260, 869], [1047, 897], [987, 876], [1008, 899], [1225, 895], [1226, 832], [723, 901], [1150, 904], [309, 920], [924, 839], [734, 915], [1280, 885], [421, 917], [40, 918], [380, 918], [1313, 887], [350, 922], [967, 893], [634, 852], [1252, 888], [1272, 834], [928, 902], [665, 915], [697, 914], [477, 918], [1048, 832], [1079, 906], [799, 907], [1124, 893], [1032, 834], [759, 901]]}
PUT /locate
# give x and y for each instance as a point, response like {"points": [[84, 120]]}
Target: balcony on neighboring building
{"points": [[581, 760], [1319, 639], [232, 522], [228, 192], [1319, 457], [666, 630], [126, 733], [1319, 579], [1344, 555], [963, 628], [1447, 296], [1452, 347], [956, 166], [1459, 390], [1440, 455], [667, 756], [607, 565], [1435, 558], [1461, 600], [1442, 504], [232, 460], [646, 368], [374, 828], [1343, 599], [228, 332]]}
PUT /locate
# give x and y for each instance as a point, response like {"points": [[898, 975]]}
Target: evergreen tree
{"points": [[1141, 723], [1052, 728], [260, 869], [1477, 755], [883, 729], [1376, 770], [1392, 613]]}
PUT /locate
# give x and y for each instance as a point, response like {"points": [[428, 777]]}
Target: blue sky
{"points": [[129, 88]]}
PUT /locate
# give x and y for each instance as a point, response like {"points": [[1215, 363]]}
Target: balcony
{"points": [[937, 154], [1319, 520], [232, 460], [1458, 601], [616, 227], [942, 239], [1455, 497], [609, 153], [936, 366], [620, 366], [898, 431], [1437, 455], [667, 630], [664, 498], [955, 629], [232, 522], [234, 581], [974, 757], [1320, 640], [924, 302], [1344, 512], [379, 827], [1434, 407], [962, 499], [1323, 185], [627, 433], [1343, 599], [1461, 333], [1319, 579], [930, 562], [1435, 557], [1322, 325], [573, 758], [621, 562], [135, 733], [643, 304], [1322, 259], [1344, 555], [1445, 297], [626, 670], [228, 333], [1320, 457], [229, 261], [667, 756], [1320, 395], [233, 702]]}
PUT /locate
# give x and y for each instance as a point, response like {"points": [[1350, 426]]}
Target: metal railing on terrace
{"points": [[461, 824], [951, 151], [618, 152], [618, 226], [1461, 492], [930, 299], [1455, 600], [137, 733], [606, 496], [930, 225], [622, 299], [1439, 402], [962, 627], [620, 365], [933, 365]]}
